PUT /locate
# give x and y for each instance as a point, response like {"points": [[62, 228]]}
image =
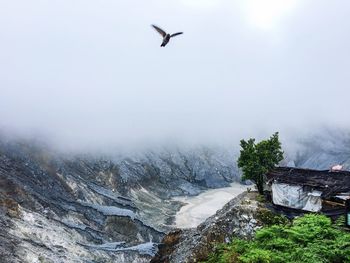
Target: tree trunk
{"points": [[260, 184]]}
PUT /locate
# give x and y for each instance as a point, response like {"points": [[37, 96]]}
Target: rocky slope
{"points": [[324, 150], [239, 218], [97, 208], [56, 208]]}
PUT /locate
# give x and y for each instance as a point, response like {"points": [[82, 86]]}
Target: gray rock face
{"points": [[89, 208], [55, 208], [237, 218], [324, 150]]}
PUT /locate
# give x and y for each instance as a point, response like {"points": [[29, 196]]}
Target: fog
{"points": [[93, 73]]}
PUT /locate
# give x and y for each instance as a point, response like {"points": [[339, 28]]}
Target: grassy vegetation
{"points": [[311, 238], [268, 218]]}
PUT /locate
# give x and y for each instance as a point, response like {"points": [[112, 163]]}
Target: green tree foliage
{"points": [[311, 238], [256, 159]]}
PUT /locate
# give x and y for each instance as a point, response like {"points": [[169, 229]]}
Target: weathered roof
{"points": [[329, 182]]}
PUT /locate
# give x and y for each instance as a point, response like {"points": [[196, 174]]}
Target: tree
{"points": [[256, 159]]}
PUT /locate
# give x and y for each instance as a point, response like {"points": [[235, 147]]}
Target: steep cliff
{"points": [[91, 208], [58, 207]]}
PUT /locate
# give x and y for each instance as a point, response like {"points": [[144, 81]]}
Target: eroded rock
{"points": [[236, 219]]}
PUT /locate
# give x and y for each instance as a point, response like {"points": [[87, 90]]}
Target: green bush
{"points": [[311, 238], [268, 218], [340, 222]]}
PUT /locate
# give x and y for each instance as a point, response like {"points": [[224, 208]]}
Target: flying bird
{"points": [[166, 36]]}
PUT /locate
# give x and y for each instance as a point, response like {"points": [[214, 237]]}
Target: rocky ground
{"points": [[83, 208], [238, 218], [58, 207]]}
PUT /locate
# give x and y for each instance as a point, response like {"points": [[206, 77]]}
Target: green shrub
{"points": [[340, 222], [311, 238], [268, 218], [260, 198]]}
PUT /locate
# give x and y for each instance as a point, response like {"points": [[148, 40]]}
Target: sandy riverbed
{"points": [[198, 208]]}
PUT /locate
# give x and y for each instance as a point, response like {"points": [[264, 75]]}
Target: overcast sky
{"points": [[88, 71]]}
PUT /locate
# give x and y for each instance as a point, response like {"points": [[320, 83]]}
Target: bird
{"points": [[166, 36]]}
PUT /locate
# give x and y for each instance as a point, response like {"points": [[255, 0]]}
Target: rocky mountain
{"points": [[239, 217], [323, 150], [88, 208], [57, 207]]}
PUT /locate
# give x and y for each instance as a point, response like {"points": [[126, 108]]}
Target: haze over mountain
{"points": [[100, 128], [89, 74]]}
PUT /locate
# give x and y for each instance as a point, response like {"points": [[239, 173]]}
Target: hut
{"points": [[325, 191]]}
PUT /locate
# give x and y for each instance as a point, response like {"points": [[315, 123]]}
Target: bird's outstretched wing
{"points": [[159, 30], [176, 34]]}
